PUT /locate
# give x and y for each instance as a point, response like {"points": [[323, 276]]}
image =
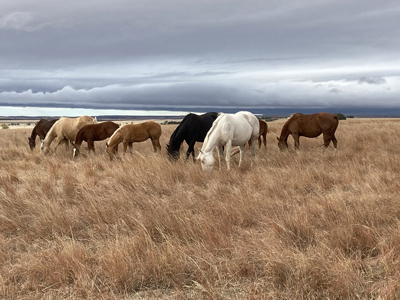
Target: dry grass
{"points": [[296, 225]]}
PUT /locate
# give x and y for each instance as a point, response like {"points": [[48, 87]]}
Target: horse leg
{"points": [[259, 141], [125, 146], [264, 135], [296, 140], [334, 141], [59, 140], [228, 154], [220, 151], [242, 149], [191, 150], [90, 145], [156, 145], [327, 140]]}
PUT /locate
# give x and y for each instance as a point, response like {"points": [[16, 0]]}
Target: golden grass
{"points": [[295, 225]]}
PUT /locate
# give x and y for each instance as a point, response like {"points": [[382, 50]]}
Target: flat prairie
{"points": [[306, 224]]}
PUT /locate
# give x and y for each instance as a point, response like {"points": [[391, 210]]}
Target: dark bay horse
{"points": [[309, 126], [192, 129], [135, 133], [41, 129], [91, 133]]}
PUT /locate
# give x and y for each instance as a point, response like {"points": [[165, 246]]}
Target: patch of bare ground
{"points": [[303, 224]]}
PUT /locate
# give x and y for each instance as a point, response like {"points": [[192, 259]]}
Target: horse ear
{"points": [[277, 138]]}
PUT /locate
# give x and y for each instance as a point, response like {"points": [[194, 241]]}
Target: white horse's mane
{"points": [[220, 115]]}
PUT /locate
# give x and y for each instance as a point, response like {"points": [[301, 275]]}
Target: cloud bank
{"points": [[185, 54]]}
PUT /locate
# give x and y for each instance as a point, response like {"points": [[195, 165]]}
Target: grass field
{"points": [[295, 225]]}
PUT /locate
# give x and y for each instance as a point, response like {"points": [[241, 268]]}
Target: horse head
{"points": [[206, 160], [282, 144], [173, 154], [32, 143]]}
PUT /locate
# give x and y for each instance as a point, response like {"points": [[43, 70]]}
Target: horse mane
{"points": [[220, 115], [50, 132], [179, 127], [109, 140]]}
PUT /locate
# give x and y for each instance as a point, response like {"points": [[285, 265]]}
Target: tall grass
{"points": [[301, 224]]}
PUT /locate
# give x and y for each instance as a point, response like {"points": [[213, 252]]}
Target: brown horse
{"points": [[309, 126], [65, 129], [41, 129], [133, 133], [91, 133], [263, 133]]}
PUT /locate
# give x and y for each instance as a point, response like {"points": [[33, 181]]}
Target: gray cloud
{"points": [[371, 80], [193, 53]]}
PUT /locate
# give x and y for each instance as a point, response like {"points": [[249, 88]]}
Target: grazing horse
{"points": [[91, 133], [41, 129], [309, 126], [229, 130], [65, 129], [192, 129], [133, 133], [262, 133]]}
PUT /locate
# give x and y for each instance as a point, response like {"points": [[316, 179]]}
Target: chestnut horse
{"points": [[41, 129], [91, 133], [64, 129], [135, 133], [310, 126], [262, 133]]}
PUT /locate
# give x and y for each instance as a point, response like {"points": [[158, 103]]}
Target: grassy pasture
{"points": [[301, 224]]}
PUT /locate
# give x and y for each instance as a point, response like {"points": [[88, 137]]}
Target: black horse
{"points": [[41, 129], [192, 129]]}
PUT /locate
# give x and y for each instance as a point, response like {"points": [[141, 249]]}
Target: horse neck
{"points": [[284, 132], [34, 133], [79, 138], [177, 138], [211, 140], [51, 135]]}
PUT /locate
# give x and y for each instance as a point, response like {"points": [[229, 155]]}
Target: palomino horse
{"points": [[41, 129], [192, 129], [309, 126], [229, 130], [65, 128], [134, 133], [91, 133]]}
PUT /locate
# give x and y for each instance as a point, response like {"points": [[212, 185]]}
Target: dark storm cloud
{"points": [[188, 53]]}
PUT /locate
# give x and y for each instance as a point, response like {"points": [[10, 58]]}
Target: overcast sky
{"points": [[190, 55]]}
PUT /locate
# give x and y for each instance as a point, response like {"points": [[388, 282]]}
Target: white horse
{"points": [[63, 130], [229, 130]]}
